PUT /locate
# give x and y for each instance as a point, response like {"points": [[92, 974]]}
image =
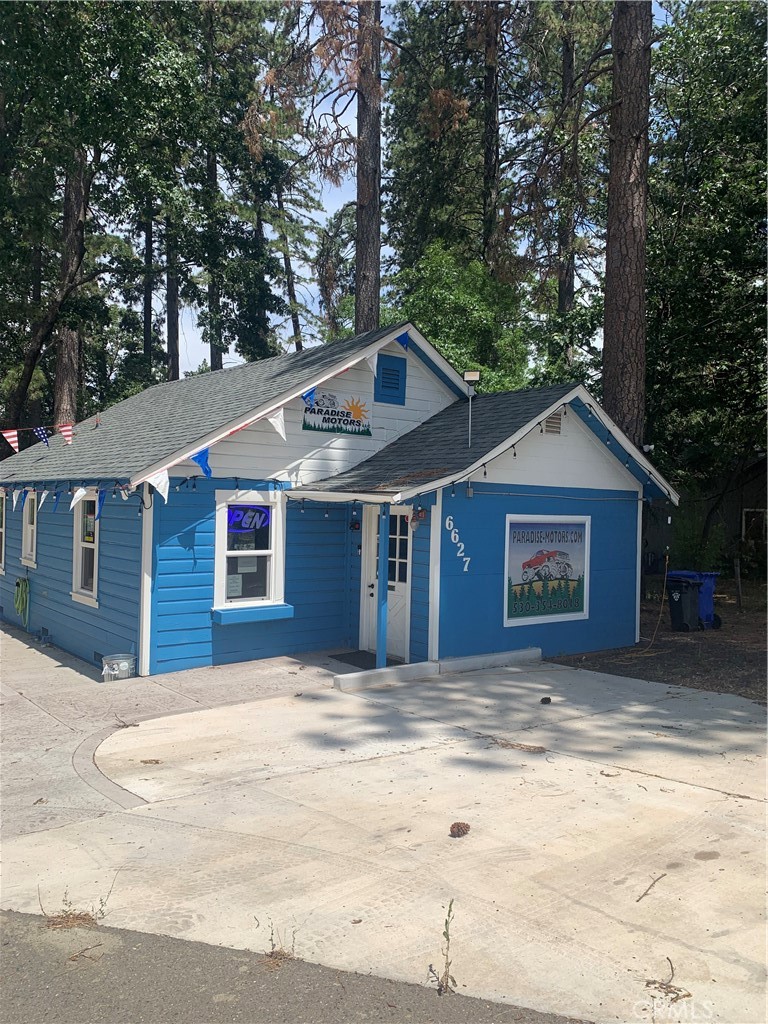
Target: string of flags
{"points": [[41, 433]]}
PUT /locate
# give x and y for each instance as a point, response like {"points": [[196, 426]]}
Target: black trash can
{"points": [[683, 604]]}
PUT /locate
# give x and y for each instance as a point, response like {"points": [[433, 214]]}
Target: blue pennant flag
{"points": [[56, 496], [309, 397], [23, 498], [202, 460], [42, 433], [403, 339], [100, 496]]}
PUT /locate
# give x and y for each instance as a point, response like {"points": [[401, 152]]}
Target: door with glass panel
{"points": [[398, 540]]}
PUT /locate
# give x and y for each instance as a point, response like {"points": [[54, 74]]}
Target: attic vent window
{"points": [[389, 386], [553, 424]]}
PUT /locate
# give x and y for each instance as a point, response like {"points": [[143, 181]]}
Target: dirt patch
{"points": [[728, 660]]}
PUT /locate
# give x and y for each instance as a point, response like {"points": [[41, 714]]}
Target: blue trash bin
{"points": [[707, 580]]}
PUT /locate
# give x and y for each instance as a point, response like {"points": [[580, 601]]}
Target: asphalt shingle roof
{"points": [[438, 448], [146, 428]]}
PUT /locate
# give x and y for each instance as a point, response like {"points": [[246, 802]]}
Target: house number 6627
{"points": [[454, 534]]}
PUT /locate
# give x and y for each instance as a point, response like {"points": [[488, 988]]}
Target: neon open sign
{"points": [[245, 518]]}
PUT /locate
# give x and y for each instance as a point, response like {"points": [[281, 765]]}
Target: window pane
{"points": [[402, 572], [392, 547], [88, 521], [248, 527], [404, 548], [31, 506], [403, 526], [247, 577], [392, 570], [86, 569], [393, 526]]}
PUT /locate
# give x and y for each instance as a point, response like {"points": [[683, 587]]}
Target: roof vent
{"points": [[553, 424]]}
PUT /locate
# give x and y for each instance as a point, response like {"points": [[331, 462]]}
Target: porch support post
{"points": [[382, 591]]}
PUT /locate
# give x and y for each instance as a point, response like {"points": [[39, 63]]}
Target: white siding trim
{"points": [[435, 536], [77, 594], [145, 592]]}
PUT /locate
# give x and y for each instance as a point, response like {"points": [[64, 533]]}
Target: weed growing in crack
{"points": [[445, 981], [278, 953], [70, 917]]}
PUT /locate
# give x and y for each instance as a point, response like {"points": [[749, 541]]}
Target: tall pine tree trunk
{"points": [[77, 188], [566, 227], [171, 301], [368, 242], [491, 28], [148, 285], [290, 279], [214, 292], [67, 379], [624, 325]]}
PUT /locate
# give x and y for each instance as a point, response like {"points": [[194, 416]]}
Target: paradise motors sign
{"points": [[337, 412]]}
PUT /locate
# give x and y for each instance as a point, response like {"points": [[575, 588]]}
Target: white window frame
{"points": [[276, 578], [29, 532], [77, 593], [3, 503]]}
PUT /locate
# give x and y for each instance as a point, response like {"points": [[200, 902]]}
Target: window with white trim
{"points": [[29, 531], [85, 552], [2, 532], [249, 549]]}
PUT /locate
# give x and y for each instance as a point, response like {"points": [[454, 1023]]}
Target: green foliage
{"points": [[706, 254], [472, 318], [689, 549]]}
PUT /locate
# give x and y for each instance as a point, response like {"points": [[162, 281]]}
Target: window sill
{"points": [[92, 602], [30, 563], [254, 613]]}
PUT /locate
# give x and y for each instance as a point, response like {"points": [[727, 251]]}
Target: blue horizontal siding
{"points": [[112, 628], [322, 581], [472, 603]]}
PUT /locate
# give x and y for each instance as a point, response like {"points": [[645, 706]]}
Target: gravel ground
{"points": [[728, 660]]}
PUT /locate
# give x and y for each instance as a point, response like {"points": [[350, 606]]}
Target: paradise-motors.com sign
{"points": [[546, 564]]}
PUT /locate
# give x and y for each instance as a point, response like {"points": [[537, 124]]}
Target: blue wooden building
{"points": [[347, 496]]}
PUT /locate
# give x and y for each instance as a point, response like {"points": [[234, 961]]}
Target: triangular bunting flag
{"points": [[24, 494], [12, 437], [56, 496], [16, 494], [41, 499], [42, 434], [79, 494], [309, 397], [277, 420], [373, 362], [403, 339], [65, 429], [100, 496], [161, 483], [201, 458]]}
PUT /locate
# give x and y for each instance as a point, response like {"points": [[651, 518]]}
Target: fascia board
{"points": [[436, 358], [339, 497], [265, 410], [625, 443]]}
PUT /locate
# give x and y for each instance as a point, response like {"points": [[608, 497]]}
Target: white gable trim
{"points": [[578, 392], [265, 411]]}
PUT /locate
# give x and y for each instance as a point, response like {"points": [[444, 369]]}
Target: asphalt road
{"points": [[130, 977]]}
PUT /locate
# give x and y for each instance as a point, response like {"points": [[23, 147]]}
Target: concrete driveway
{"points": [[613, 833]]}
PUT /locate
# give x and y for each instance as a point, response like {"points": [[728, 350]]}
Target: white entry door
{"points": [[398, 581]]}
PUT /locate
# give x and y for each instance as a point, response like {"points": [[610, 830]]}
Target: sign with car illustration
{"points": [[337, 412], [546, 568]]}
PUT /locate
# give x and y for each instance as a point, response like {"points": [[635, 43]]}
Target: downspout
{"points": [[382, 589]]}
